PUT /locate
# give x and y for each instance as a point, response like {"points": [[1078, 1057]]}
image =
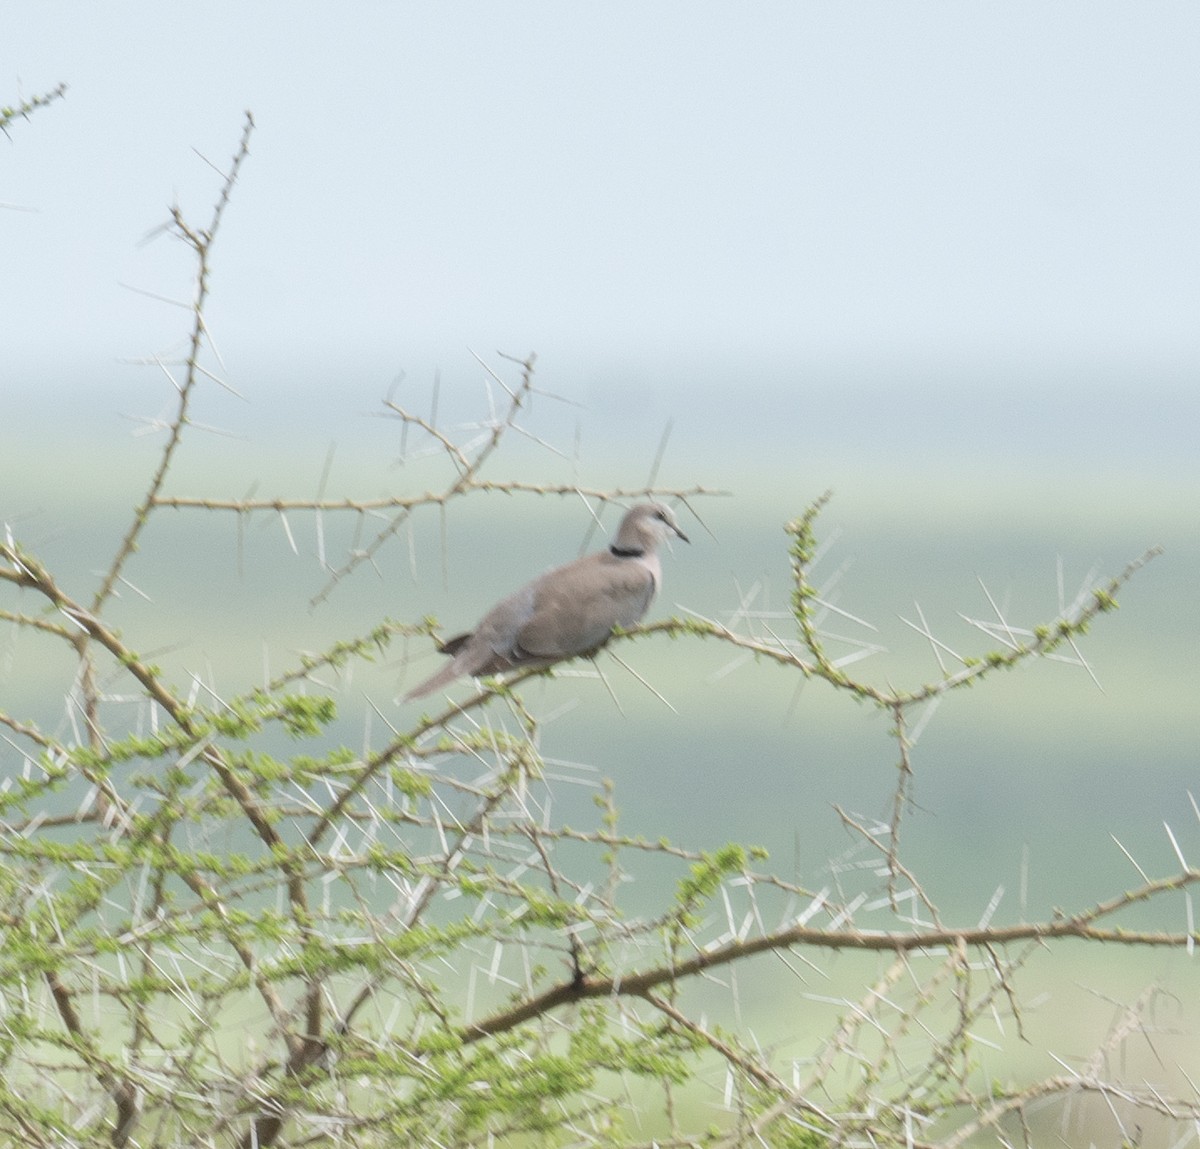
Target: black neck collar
{"points": [[626, 552]]}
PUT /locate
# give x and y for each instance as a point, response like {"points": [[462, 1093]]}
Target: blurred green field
{"points": [[1021, 784], [1038, 765]]}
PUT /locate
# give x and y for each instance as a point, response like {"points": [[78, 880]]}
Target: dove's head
{"points": [[645, 526]]}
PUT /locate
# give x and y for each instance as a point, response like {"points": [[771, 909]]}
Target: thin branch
{"points": [[201, 243]]}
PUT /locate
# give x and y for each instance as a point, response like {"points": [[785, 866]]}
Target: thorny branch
{"points": [[201, 242], [25, 108], [1081, 926]]}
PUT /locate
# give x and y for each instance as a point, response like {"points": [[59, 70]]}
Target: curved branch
{"points": [[639, 984]]}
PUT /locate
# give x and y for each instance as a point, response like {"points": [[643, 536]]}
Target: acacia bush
{"points": [[222, 925]]}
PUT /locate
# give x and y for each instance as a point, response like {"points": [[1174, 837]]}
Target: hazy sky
{"points": [[660, 182]]}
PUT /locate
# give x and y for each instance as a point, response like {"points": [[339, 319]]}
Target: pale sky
{"points": [[662, 183]]}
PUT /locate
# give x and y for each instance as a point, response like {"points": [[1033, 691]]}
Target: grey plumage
{"points": [[567, 611]]}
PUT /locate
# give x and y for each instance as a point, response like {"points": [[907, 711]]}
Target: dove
{"points": [[567, 611]]}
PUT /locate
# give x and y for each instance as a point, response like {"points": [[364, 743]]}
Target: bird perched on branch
{"points": [[567, 611]]}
